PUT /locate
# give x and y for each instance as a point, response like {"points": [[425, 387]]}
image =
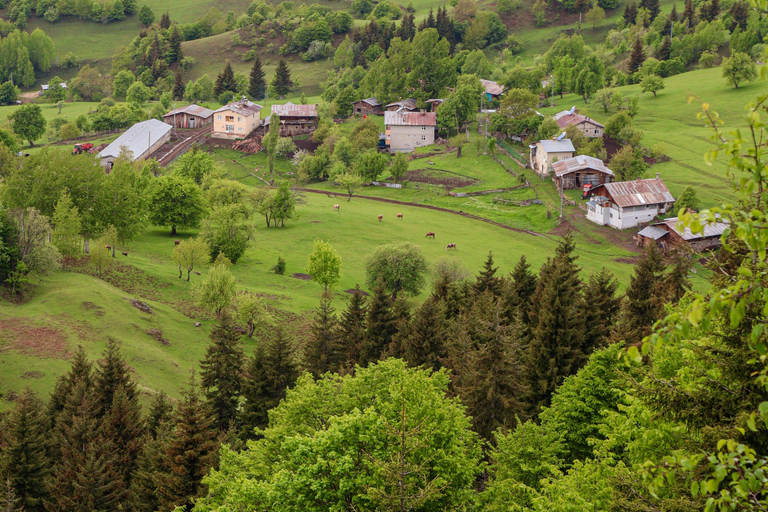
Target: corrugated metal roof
{"points": [[137, 138], [291, 110], [653, 232], [638, 192], [243, 107], [410, 119], [565, 119], [492, 88], [193, 110], [578, 163], [557, 146], [370, 101], [711, 229], [409, 104]]}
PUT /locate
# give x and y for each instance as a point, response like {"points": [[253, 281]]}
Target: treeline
{"points": [[100, 11], [23, 55]]}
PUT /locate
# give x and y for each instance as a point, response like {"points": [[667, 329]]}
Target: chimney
{"points": [[657, 175]]}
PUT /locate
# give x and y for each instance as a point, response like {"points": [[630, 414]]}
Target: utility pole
{"points": [[552, 101]]}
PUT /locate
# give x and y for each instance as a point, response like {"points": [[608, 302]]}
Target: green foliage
{"points": [[28, 122], [100, 256], [279, 268], [281, 82], [251, 311], [652, 83], [220, 372], [9, 93], [739, 68], [188, 253], [66, 227], [138, 93], [628, 164], [146, 16], [370, 164], [216, 291], [402, 267], [687, 200], [177, 202], [324, 265]]}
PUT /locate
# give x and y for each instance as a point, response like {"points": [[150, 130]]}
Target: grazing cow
{"points": [[336, 207], [381, 217], [399, 215], [450, 246], [430, 234]]}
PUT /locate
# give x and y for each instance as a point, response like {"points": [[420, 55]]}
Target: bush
{"points": [[280, 267], [187, 63], [616, 124]]}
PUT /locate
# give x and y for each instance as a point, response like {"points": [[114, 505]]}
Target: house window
{"points": [[218, 117], [239, 128], [423, 127], [229, 127], [423, 137], [239, 119], [611, 215]]}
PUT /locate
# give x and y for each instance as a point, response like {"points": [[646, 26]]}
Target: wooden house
{"points": [[408, 105], [579, 171], [368, 106], [667, 235], [191, 116], [295, 119], [627, 204]]}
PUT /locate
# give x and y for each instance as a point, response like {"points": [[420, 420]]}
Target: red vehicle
{"points": [[585, 193], [81, 148]]}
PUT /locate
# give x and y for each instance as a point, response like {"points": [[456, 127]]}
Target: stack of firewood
{"points": [[249, 146]]}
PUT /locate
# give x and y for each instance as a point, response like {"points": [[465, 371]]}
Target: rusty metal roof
{"points": [[565, 119], [579, 163], [242, 107], [193, 110], [370, 101], [410, 119], [711, 229], [492, 88], [292, 110], [638, 192]]}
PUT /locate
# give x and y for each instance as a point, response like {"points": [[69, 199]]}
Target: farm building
{"points": [[141, 140], [191, 116], [295, 119], [492, 89], [236, 120], [589, 127], [44, 87], [627, 204], [399, 106], [543, 152], [579, 171], [433, 103], [668, 235], [406, 131], [368, 106]]}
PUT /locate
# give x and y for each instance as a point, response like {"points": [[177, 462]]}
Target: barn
{"points": [[667, 235], [295, 119], [402, 105], [627, 204], [191, 116], [579, 171], [368, 106], [140, 140]]}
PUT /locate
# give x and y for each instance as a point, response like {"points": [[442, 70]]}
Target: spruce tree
{"points": [[123, 427], [673, 17], [220, 373], [556, 346], [257, 84], [486, 279], [79, 371], [225, 81], [630, 14], [189, 454], [321, 353], [24, 462], [407, 28], [381, 325], [424, 342], [665, 49], [653, 7], [174, 54], [161, 411], [518, 292], [600, 306], [281, 82], [271, 371], [178, 85], [149, 465], [165, 21], [9, 502], [677, 281], [113, 373], [644, 298], [689, 13], [637, 57], [401, 311], [352, 328]]}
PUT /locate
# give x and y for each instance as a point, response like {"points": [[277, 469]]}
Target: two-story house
{"points": [[544, 152], [406, 131], [627, 204], [236, 120]]}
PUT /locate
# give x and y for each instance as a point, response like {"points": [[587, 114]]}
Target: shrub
{"points": [[279, 268]]}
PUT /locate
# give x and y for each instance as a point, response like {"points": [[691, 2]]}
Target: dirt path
{"points": [[428, 207]]}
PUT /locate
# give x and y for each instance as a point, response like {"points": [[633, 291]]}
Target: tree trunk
{"points": [[458, 152], [189, 271], [251, 328], [180, 272], [86, 245], [173, 230]]}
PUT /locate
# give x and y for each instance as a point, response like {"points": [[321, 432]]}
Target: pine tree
{"points": [[637, 57], [352, 328], [486, 279], [113, 373], [220, 373], [281, 82], [407, 28], [424, 342], [257, 84], [189, 453], [673, 17], [9, 502], [555, 350], [161, 411], [689, 13], [24, 457], [709, 11], [665, 50], [155, 51], [519, 291], [124, 429], [653, 7], [600, 306], [79, 371], [644, 298], [630, 14], [677, 281], [178, 85], [149, 465], [381, 325], [321, 353], [225, 82], [270, 372], [175, 53], [401, 311], [165, 21]]}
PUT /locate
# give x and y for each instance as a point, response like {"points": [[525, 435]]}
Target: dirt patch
{"points": [[439, 177], [141, 306], [315, 222], [157, 334], [630, 261], [90, 306], [33, 340], [303, 277], [33, 375], [352, 291]]}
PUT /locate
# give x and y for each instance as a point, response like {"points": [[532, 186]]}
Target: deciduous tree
{"points": [[28, 122], [176, 202], [324, 266], [738, 68], [402, 267], [216, 291]]}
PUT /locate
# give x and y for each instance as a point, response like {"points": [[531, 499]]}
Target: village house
{"points": [[433, 103], [406, 131], [399, 106], [295, 119], [544, 152], [368, 106], [627, 204], [140, 141], [589, 127], [191, 116], [579, 171], [236, 120], [492, 89], [44, 88], [668, 235]]}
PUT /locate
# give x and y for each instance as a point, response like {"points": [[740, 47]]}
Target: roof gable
{"points": [[579, 163], [638, 192], [138, 138], [243, 107], [292, 110]]}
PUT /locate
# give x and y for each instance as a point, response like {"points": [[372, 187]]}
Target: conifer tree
{"points": [[486, 279], [653, 7], [165, 21], [123, 427], [8, 500], [189, 453], [689, 13], [665, 49], [161, 411], [113, 373], [630, 14], [644, 298], [281, 82], [270, 372], [677, 281], [556, 347], [220, 373], [352, 328], [380, 327], [79, 371], [257, 84], [149, 465], [600, 306], [637, 57], [673, 17], [401, 311], [178, 85], [321, 350], [407, 28], [175, 53], [424, 342], [225, 81], [520, 288], [24, 463]]}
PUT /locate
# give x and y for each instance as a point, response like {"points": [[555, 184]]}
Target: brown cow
{"points": [[380, 218], [450, 246], [336, 207], [430, 234], [399, 215]]}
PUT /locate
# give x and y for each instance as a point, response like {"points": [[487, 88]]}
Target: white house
{"points": [[544, 152], [627, 204], [406, 131]]}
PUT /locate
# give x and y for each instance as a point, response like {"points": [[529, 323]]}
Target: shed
{"points": [[399, 106], [492, 89], [368, 106], [667, 234], [191, 116], [140, 140], [433, 103], [581, 170], [295, 119]]}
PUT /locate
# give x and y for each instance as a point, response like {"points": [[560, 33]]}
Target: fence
{"points": [[513, 153]]}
